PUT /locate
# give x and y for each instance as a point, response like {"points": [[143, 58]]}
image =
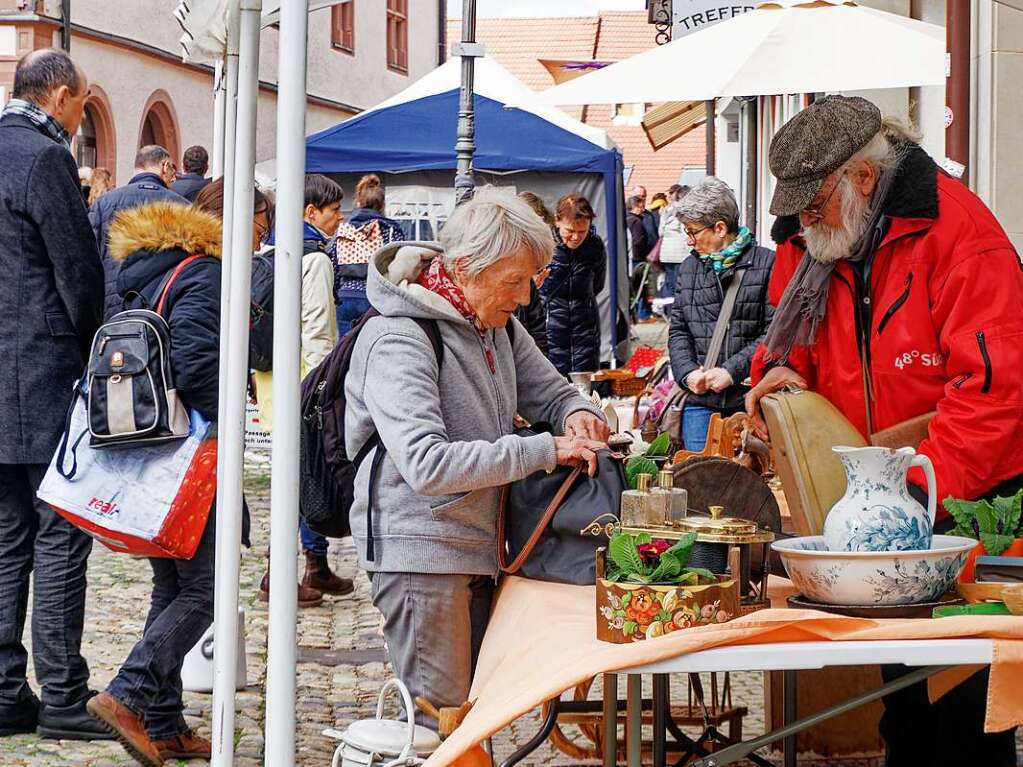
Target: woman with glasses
{"points": [[723, 252]]}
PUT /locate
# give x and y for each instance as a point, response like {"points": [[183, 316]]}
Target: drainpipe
{"points": [[957, 86], [442, 32], [65, 25], [711, 124]]}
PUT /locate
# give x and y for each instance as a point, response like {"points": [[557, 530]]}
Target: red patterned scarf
{"points": [[436, 279]]}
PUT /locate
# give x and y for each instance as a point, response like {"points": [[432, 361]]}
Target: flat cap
{"points": [[815, 143]]}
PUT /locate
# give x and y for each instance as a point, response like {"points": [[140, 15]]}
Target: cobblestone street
{"points": [[341, 667]]}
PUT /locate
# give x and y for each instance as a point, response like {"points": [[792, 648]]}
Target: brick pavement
{"points": [[340, 671]]}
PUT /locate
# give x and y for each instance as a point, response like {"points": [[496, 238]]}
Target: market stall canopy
{"points": [[787, 46], [415, 130]]}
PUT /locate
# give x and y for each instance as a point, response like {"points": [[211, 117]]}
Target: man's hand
{"points": [[775, 380], [696, 381], [718, 379], [586, 425], [572, 451]]}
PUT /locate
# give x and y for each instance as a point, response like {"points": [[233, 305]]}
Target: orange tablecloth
{"points": [[542, 641]]}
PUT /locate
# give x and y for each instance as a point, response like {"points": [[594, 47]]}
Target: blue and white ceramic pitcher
{"points": [[877, 512]]}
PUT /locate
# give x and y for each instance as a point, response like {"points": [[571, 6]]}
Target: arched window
{"points": [[85, 140], [159, 124]]}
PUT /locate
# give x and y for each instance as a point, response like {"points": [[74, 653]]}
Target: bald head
{"points": [[52, 81]]}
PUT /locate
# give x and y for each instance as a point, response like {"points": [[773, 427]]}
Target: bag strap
{"points": [[170, 279], [432, 330], [724, 318], [545, 520], [66, 437]]}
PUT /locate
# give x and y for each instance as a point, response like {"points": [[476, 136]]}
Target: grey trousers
{"points": [[434, 627]]}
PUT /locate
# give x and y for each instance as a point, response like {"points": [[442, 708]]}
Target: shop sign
{"points": [[693, 15]]}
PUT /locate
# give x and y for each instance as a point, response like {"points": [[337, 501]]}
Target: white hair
{"points": [[708, 202], [493, 225]]}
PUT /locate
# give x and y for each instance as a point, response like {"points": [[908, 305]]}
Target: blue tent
{"points": [[414, 133]]}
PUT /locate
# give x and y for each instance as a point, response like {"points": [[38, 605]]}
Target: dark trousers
{"points": [[35, 539], [352, 304], [181, 609], [949, 733]]}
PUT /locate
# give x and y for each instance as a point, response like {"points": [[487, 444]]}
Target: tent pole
{"points": [[465, 143], [282, 639], [219, 114], [232, 427]]}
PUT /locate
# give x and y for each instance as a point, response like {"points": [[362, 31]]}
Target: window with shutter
{"points": [[342, 27], [397, 35]]}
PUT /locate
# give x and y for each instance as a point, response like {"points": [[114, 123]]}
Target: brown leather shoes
{"points": [[187, 745], [318, 576], [307, 597], [126, 726]]}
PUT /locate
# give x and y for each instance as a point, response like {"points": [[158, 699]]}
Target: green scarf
{"points": [[725, 259]]}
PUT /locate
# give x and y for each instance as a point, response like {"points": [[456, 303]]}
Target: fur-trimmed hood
{"points": [[161, 226], [914, 194]]}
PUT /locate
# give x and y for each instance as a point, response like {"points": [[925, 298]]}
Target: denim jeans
{"points": [[181, 609], [34, 538], [695, 421], [352, 304], [312, 542], [670, 280]]}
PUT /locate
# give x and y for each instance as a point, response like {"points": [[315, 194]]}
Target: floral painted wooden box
{"points": [[632, 612]]}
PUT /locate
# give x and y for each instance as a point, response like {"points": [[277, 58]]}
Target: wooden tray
{"points": [[880, 611]]}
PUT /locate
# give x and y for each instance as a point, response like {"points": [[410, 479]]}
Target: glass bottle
{"points": [[676, 499], [639, 507]]}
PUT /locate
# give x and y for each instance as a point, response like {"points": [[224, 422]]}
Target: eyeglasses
{"points": [[691, 235], [816, 212], [263, 229]]}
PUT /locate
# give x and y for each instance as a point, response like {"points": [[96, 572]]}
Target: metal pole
{"points": [[232, 427], [634, 720], [65, 25], [219, 115], [282, 639], [957, 86], [465, 143], [711, 126], [749, 111], [610, 720]]}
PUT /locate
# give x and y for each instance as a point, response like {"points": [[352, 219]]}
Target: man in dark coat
{"points": [[195, 162], [154, 170], [51, 300]]}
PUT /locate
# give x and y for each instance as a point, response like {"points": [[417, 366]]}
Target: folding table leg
{"points": [[660, 705], [634, 721], [789, 746], [610, 720]]}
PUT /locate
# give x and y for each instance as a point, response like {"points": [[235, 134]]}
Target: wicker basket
{"points": [[628, 387]]}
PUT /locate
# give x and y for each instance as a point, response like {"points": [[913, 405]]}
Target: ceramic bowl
{"points": [[873, 577]]}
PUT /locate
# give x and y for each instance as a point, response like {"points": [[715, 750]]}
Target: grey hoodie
{"points": [[449, 440]]}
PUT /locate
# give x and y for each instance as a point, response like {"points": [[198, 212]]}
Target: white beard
{"points": [[827, 244]]}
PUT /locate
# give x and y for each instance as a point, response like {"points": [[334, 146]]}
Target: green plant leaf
{"points": [[629, 628], [622, 551], [987, 518], [638, 465], [703, 573], [688, 578], [660, 445], [995, 544], [963, 512], [1008, 510]]}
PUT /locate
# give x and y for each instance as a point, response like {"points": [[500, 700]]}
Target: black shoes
{"points": [[19, 719], [71, 723]]}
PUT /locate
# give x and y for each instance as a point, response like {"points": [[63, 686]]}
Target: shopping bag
{"points": [[143, 500]]}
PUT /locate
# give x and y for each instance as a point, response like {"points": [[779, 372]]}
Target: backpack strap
{"points": [[432, 330], [170, 279]]}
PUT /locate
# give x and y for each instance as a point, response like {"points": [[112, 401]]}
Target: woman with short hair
{"points": [[570, 291], [723, 250], [444, 422]]}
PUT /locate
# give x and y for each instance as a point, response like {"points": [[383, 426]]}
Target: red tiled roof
{"points": [[519, 44]]}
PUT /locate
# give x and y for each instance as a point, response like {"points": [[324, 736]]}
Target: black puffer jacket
{"points": [[534, 318], [570, 292], [698, 300], [150, 241]]}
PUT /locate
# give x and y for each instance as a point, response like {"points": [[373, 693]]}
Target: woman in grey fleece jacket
{"points": [[448, 431]]}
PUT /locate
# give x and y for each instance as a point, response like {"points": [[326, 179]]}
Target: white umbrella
{"points": [[787, 46]]}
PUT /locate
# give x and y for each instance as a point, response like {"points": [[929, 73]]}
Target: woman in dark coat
{"points": [[142, 705], [723, 249], [570, 290]]}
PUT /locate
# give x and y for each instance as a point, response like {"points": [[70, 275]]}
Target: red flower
{"points": [[651, 552]]}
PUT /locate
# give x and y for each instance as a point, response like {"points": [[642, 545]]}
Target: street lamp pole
{"points": [[465, 143]]}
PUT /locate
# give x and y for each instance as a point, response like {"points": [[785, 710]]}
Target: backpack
{"points": [[326, 472], [356, 245], [131, 396], [261, 313]]}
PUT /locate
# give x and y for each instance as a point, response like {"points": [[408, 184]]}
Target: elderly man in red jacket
{"points": [[898, 295]]}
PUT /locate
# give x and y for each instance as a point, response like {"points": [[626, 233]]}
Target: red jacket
{"points": [[945, 313]]}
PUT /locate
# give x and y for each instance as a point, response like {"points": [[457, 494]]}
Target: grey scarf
{"points": [[802, 305]]}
